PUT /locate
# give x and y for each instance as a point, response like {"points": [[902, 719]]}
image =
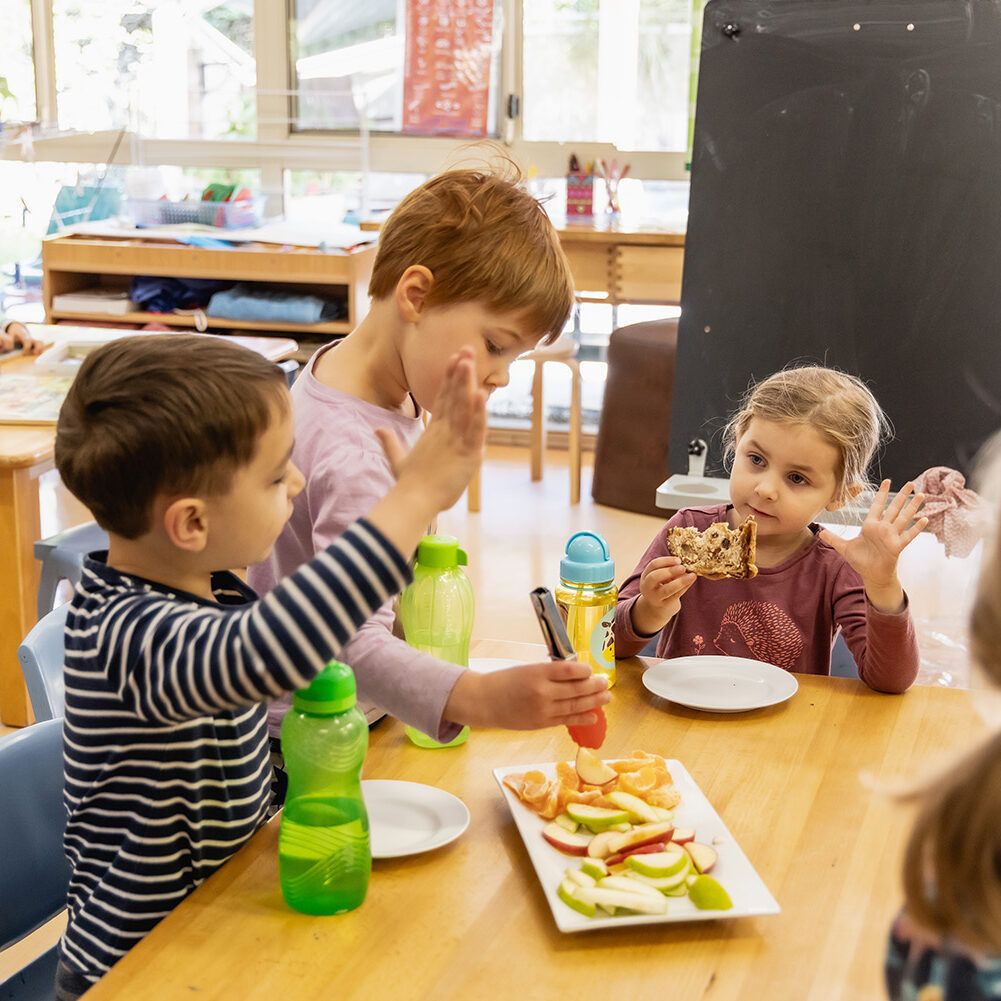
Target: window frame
{"points": [[278, 148]]}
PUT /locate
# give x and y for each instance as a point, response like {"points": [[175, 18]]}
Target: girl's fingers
{"points": [[897, 504], [878, 502], [912, 533], [910, 512]]}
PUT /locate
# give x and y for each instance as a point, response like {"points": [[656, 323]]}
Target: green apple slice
{"points": [[567, 823], [598, 818], [638, 902], [594, 867], [664, 884], [659, 864], [709, 894], [579, 878], [639, 811], [627, 885], [567, 892]]}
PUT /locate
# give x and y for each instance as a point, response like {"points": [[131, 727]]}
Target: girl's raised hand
{"points": [[888, 529]]}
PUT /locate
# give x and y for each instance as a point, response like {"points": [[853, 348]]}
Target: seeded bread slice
{"points": [[717, 552]]}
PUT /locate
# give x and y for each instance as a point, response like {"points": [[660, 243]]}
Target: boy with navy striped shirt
{"points": [[180, 446]]}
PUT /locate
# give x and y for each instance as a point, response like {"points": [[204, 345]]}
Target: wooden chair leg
{"points": [[574, 437], [473, 492], [538, 436]]}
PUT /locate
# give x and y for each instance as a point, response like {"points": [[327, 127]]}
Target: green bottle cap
{"points": [[331, 692], [441, 551]]}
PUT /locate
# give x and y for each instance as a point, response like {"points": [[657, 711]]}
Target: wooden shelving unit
{"points": [[71, 263]]}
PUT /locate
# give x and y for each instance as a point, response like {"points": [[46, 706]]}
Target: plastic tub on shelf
{"points": [[224, 215]]}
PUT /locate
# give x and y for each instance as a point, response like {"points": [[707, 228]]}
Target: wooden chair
{"points": [[563, 350]]}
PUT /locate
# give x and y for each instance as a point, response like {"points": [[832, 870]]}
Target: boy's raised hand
{"points": [[662, 583], [888, 529], [450, 450], [529, 696]]}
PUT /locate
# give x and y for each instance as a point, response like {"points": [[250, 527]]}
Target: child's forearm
{"points": [[887, 597], [646, 620]]}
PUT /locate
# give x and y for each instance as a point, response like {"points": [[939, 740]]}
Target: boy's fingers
{"points": [[392, 446], [570, 670]]}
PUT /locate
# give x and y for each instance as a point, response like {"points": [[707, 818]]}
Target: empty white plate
{"points": [[720, 684], [407, 818]]}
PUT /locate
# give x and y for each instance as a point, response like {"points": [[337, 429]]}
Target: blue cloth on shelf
{"points": [[245, 302], [163, 295]]}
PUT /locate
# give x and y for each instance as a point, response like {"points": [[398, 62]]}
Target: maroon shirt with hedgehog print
{"points": [[788, 615]]}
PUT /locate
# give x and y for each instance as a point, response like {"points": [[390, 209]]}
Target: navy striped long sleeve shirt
{"points": [[166, 740]]}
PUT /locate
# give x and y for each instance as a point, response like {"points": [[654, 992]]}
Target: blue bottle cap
{"points": [[587, 560]]}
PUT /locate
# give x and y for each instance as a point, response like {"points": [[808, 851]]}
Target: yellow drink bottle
{"points": [[586, 597]]}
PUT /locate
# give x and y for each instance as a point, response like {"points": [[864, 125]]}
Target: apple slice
{"points": [[662, 813], [638, 902], [579, 878], [592, 770], [703, 856], [621, 828], [644, 834], [682, 835], [564, 841], [598, 818], [567, 823], [674, 886], [657, 846], [594, 867], [709, 895], [666, 863], [567, 892], [601, 844], [639, 812], [627, 885]]}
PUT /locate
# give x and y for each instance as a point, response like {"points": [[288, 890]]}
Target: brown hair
{"points": [[952, 868], [837, 405], [485, 239], [161, 414]]}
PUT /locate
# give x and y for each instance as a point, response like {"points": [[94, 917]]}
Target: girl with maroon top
{"points": [[800, 445]]}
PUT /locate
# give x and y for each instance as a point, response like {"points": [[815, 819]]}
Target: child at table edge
{"points": [[469, 258], [181, 447], [800, 445], [946, 943]]}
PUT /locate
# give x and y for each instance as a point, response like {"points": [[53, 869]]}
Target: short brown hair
{"points": [[839, 406], [485, 239], [155, 414]]}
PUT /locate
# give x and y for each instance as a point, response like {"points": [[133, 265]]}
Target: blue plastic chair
{"points": [[41, 656], [34, 873], [62, 556]]}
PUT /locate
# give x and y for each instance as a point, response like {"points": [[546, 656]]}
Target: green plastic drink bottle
{"points": [[436, 611], [324, 855]]}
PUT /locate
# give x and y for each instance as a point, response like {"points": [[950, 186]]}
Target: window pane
{"points": [[17, 68], [423, 67], [169, 69], [614, 71]]}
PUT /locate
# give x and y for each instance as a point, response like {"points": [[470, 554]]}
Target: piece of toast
{"points": [[717, 552]]}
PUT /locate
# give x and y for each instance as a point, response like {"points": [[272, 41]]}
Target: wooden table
{"points": [[470, 921], [25, 454]]}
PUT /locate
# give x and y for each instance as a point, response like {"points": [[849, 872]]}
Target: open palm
{"points": [[887, 530]]}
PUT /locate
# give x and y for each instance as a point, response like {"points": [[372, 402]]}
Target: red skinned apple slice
{"points": [[657, 846], [592, 770], [600, 845], [644, 834], [703, 856], [564, 841], [682, 835]]}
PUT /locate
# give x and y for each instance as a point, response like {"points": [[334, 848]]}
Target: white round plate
{"points": [[485, 665], [720, 684], [407, 818]]}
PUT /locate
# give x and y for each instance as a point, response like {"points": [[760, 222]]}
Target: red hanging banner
{"points": [[446, 80]]}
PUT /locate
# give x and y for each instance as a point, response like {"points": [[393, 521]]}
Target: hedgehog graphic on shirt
{"points": [[762, 631]]}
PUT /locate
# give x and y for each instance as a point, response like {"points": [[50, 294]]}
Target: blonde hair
{"points": [[485, 239], [952, 867], [837, 405]]}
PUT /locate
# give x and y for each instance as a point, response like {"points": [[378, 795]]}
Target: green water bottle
{"points": [[324, 855], [436, 611]]}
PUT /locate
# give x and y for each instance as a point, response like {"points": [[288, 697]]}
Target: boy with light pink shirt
{"points": [[467, 259]]}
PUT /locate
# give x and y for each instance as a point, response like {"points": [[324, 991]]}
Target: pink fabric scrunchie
{"points": [[955, 513]]}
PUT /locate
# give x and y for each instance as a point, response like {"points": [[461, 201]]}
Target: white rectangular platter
{"points": [[749, 894]]}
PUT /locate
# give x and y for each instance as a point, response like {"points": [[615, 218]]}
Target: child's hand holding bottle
{"points": [[662, 584], [887, 530]]}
